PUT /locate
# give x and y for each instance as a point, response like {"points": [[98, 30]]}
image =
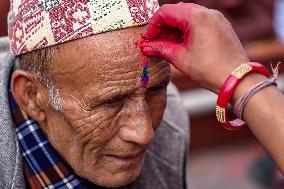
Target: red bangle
{"points": [[228, 90]]}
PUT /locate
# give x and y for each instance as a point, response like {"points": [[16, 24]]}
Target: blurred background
{"points": [[221, 159]]}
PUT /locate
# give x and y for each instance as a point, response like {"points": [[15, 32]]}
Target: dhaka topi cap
{"points": [[36, 24]]}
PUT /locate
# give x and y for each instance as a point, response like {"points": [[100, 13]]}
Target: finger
{"points": [[164, 34], [174, 36], [180, 39], [168, 50], [170, 15], [170, 34]]}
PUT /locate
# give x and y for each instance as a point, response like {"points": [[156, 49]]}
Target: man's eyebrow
{"points": [[162, 82], [113, 94]]}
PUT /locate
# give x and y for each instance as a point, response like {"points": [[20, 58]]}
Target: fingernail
{"points": [[148, 51]]}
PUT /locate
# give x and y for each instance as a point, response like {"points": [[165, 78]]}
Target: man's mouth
{"points": [[127, 157]]}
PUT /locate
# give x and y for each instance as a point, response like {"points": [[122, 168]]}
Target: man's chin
{"points": [[112, 179], [118, 180]]}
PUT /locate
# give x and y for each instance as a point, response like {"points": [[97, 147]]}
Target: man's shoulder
{"points": [[175, 115], [10, 165], [5, 55], [4, 45], [172, 137]]}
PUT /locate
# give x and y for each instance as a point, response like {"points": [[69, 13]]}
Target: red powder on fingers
{"points": [[141, 42], [142, 45]]}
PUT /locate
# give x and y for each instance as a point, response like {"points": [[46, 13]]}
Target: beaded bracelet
{"points": [[228, 90]]}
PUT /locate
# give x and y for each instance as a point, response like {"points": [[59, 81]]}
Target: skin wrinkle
{"points": [[116, 77], [84, 140], [94, 101], [100, 129], [81, 103], [123, 75], [119, 87], [100, 121], [85, 120], [88, 124], [121, 71], [93, 150], [88, 72], [114, 81], [94, 144], [109, 94]]}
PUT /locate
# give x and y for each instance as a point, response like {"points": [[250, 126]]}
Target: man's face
{"points": [[108, 117]]}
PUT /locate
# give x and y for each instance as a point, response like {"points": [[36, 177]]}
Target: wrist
{"points": [[228, 91], [245, 85], [226, 71]]}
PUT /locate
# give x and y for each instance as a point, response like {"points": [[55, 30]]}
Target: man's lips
{"points": [[127, 156]]}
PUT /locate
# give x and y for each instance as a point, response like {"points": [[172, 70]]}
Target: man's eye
{"points": [[156, 89], [112, 102]]}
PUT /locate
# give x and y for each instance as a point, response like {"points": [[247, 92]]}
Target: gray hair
{"points": [[37, 63]]}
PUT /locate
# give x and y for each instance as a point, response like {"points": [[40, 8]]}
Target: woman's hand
{"points": [[198, 41], [208, 52]]}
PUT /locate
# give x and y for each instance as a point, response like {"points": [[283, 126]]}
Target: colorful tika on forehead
{"points": [[36, 24], [145, 72], [145, 64]]}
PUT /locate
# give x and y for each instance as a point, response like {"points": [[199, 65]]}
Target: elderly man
{"points": [[80, 104]]}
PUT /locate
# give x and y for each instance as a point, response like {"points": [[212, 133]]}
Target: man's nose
{"points": [[136, 122]]}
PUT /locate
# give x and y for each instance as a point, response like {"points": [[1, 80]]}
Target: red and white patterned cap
{"points": [[36, 24]]}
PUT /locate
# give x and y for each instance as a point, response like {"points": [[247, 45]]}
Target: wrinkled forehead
{"points": [[96, 51], [91, 61]]}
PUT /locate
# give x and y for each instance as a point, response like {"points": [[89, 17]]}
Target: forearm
{"points": [[264, 114], [208, 53]]}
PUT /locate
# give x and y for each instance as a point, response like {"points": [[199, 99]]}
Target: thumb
{"points": [[168, 50]]}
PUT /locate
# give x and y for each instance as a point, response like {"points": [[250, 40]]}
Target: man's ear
{"points": [[28, 94]]}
